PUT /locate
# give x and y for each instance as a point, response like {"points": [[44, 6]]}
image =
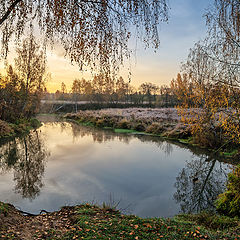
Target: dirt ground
{"points": [[14, 225]]}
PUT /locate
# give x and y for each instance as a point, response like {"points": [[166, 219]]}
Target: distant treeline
{"points": [[103, 90]]}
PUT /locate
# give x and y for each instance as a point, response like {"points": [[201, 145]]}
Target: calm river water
{"points": [[64, 164]]}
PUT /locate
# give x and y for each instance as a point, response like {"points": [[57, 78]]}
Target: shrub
{"points": [[124, 123], [179, 131], [5, 129], [112, 121], [155, 128], [35, 123], [207, 136], [228, 203], [139, 126], [100, 123]]}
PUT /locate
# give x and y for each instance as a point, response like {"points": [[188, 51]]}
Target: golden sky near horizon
{"points": [[62, 71]]}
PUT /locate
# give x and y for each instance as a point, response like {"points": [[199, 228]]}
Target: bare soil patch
{"points": [[16, 226]]}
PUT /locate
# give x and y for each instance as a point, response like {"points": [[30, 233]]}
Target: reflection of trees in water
{"points": [[199, 184], [26, 156], [100, 136], [165, 146], [103, 135], [97, 134]]}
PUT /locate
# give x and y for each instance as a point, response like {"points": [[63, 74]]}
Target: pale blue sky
{"points": [[186, 26]]}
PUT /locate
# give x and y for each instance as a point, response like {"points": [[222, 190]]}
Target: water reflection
{"points": [[88, 164], [26, 157], [199, 183], [101, 136]]}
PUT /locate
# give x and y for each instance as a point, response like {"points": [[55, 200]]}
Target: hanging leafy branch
{"points": [[94, 33]]}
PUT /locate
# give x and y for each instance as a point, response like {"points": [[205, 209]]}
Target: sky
{"points": [[185, 27]]}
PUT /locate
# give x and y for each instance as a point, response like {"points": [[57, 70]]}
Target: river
{"points": [[62, 163]]}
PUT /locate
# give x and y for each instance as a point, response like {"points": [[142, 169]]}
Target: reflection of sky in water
{"points": [[140, 175]]}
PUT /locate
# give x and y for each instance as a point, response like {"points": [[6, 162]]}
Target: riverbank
{"points": [[22, 126], [162, 122], [92, 222]]}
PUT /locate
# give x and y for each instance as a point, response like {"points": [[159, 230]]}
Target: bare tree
{"points": [[149, 90], [30, 65]]}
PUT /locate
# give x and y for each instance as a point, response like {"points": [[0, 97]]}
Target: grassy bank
{"points": [[92, 222], [154, 122], [21, 126], [164, 123]]}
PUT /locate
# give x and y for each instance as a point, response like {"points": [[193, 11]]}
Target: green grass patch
{"points": [[97, 223], [211, 220], [132, 131], [185, 140], [3, 208], [121, 130], [230, 154]]}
